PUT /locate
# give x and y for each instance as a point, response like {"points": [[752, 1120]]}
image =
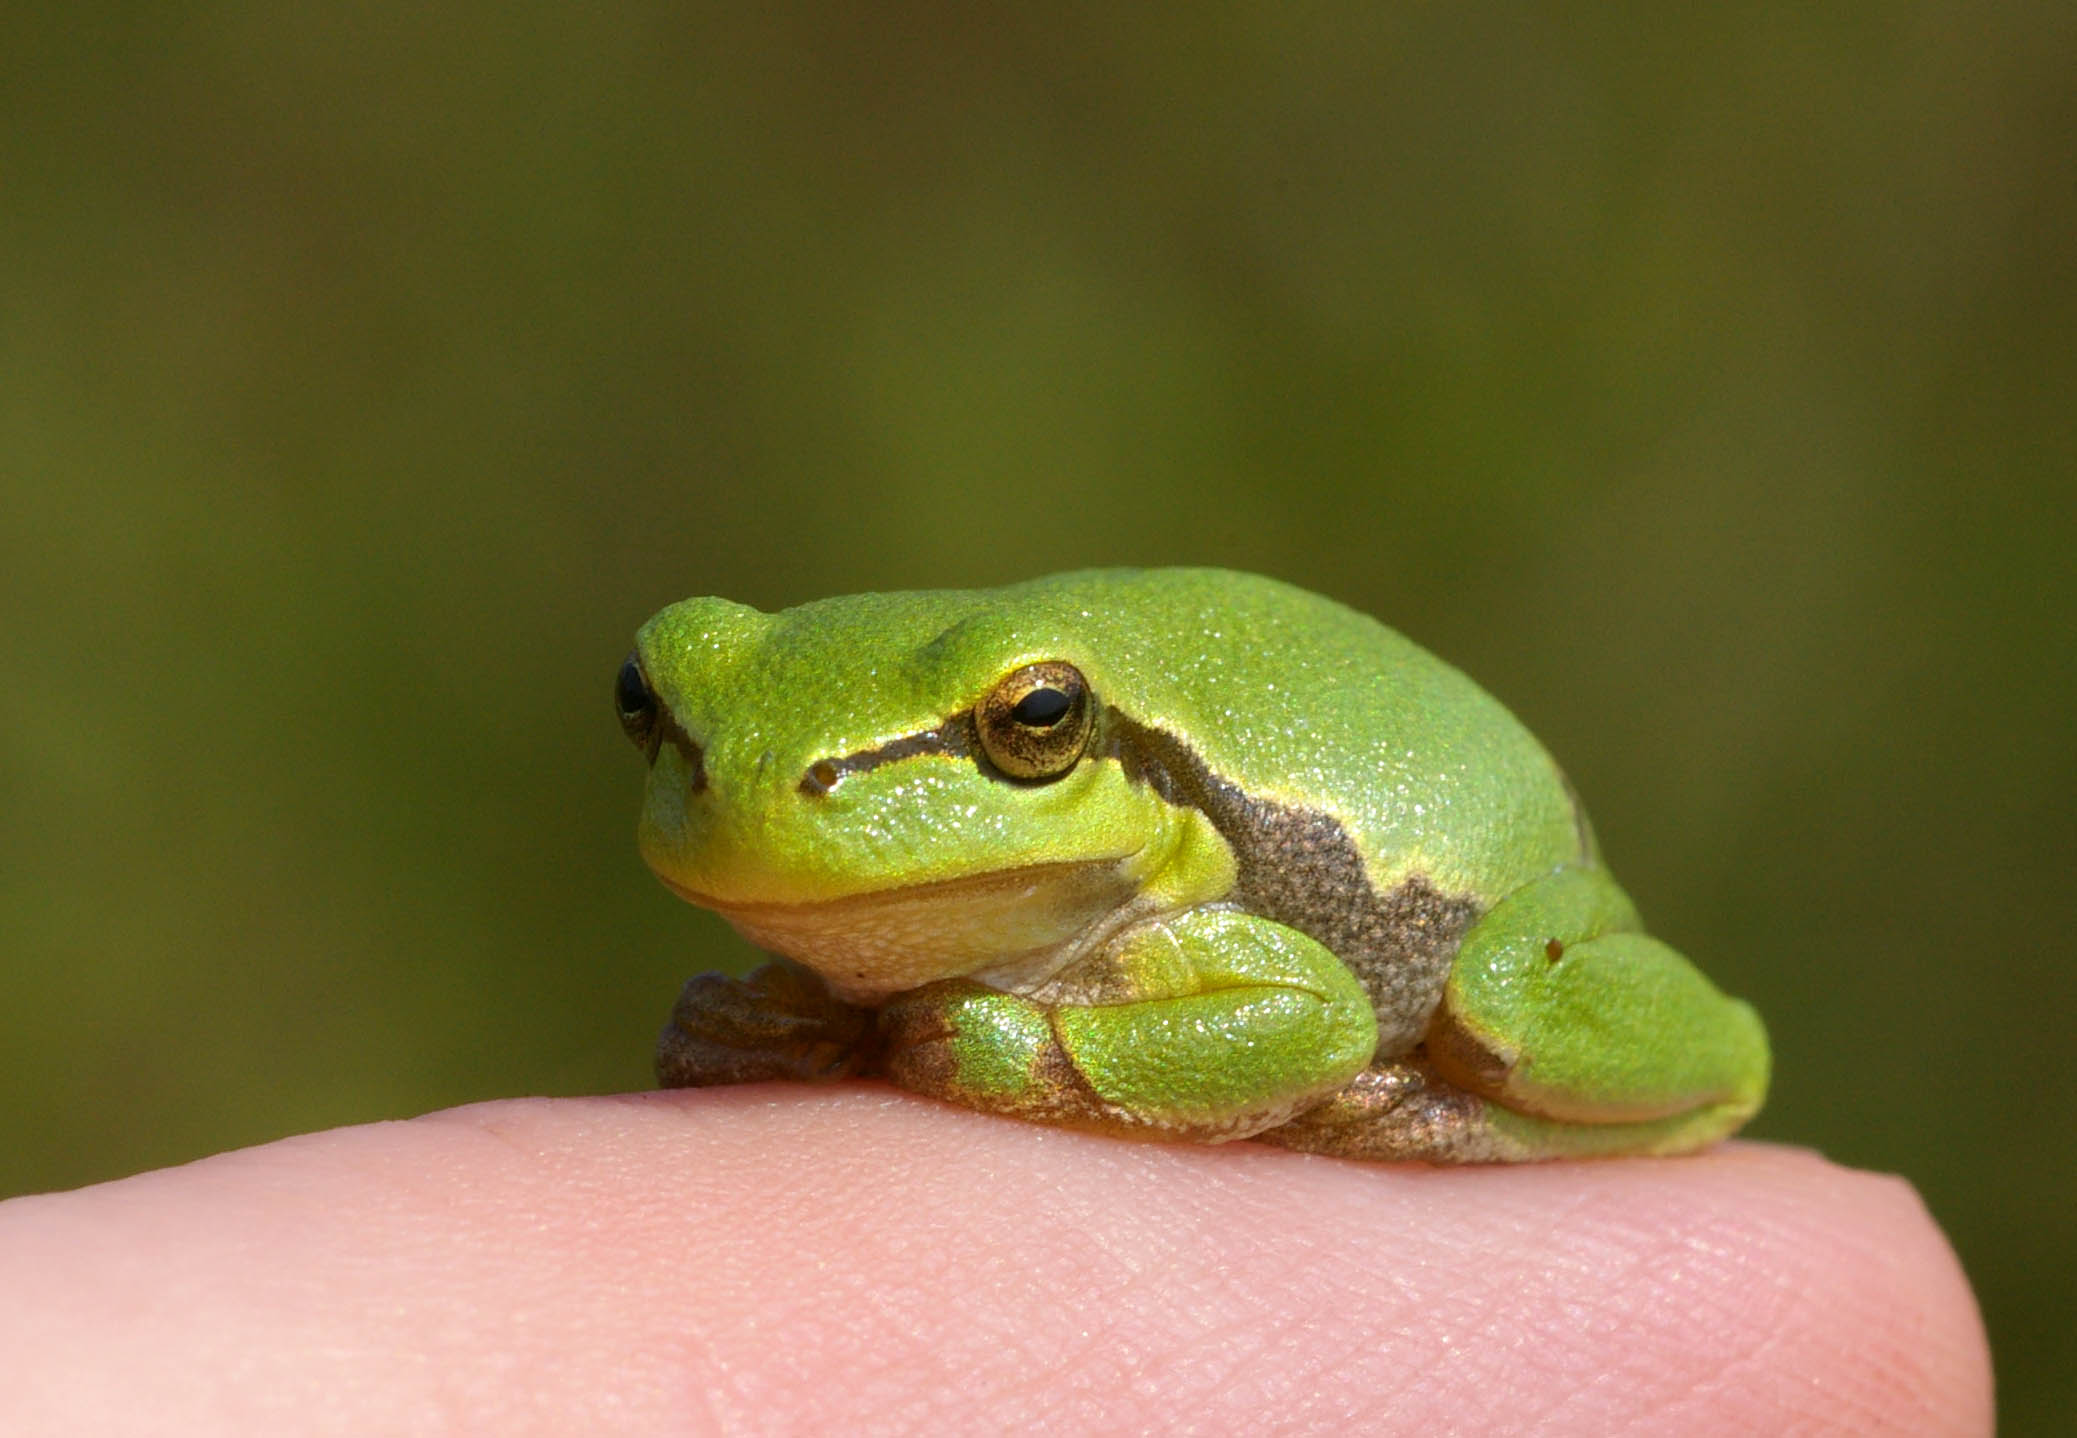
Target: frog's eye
{"points": [[636, 701], [1036, 721]]}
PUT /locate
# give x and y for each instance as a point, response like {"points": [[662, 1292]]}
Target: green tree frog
{"points": [[1163, 853]]}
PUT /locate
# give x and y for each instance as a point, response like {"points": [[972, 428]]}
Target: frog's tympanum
{"points": [[1171, 854]]}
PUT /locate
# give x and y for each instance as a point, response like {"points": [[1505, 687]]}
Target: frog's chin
{"points": [[1011, 929]]}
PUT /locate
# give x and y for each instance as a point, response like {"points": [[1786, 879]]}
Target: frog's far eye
{"points": [[637, 704], [1036, 721]]}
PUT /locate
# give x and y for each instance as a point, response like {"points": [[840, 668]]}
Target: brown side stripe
{"points": [[953, 737]]}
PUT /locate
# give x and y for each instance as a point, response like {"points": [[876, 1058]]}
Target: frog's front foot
{"points": [[989, 1050], [779, 1023], [1233, 1024]]}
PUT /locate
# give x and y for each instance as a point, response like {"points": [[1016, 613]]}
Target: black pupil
{"points": [[631, 691], [1042, 708]]}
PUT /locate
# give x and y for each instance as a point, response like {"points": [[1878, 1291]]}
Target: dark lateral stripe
{"points": [[953, 737], [670, 732], [1301, 867]]}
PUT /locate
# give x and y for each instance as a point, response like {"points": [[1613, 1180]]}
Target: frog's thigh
{"points": [[1558, 1010], [1238, 1023]]}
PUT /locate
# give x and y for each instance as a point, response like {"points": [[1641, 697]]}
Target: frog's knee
{"points": [[1616, 1029]]}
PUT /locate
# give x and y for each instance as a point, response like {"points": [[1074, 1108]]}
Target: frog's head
{"points": [[899, 788]]}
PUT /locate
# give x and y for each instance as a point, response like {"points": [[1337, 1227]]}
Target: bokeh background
{"points": [[1700, 379]]}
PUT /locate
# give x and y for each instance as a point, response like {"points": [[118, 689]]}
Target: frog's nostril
{"points": [[820, 779]]}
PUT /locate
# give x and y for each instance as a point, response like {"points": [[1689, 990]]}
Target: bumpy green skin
{"points": [[1307, 883]]}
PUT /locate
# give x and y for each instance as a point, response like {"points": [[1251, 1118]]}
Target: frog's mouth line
{"points": [[1028, 878], [1024, 921]]}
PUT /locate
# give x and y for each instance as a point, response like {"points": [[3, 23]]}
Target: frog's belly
{"points": [[1011, 929]]}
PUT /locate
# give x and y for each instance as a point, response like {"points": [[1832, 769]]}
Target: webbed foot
{"points": [[779, 1023]]}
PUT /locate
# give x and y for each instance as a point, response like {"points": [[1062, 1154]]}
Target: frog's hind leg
{"points": [[1563, 1031], [1398, 1110], [1405, 1111]]}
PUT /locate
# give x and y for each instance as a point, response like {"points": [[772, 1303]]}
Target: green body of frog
{"points": [[1181, 854]]}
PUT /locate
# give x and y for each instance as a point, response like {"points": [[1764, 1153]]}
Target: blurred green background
{"points": [[1704, 384]]}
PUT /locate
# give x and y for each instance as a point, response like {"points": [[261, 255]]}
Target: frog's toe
{"points": [[780, 1023], [973, 1045]]}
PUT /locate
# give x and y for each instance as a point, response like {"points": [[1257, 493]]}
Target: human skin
{"points": [[777, 1259]]}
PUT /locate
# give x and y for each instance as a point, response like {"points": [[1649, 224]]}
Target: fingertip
{"points": [[795, 1257]]}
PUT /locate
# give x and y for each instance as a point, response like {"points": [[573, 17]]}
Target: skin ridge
{"points": [[1300, 868]]}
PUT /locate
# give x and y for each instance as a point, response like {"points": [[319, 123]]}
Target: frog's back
{"points": [[1304, 703]]}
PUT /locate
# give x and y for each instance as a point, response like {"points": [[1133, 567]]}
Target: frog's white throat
{"points": [[1011, 930]]}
